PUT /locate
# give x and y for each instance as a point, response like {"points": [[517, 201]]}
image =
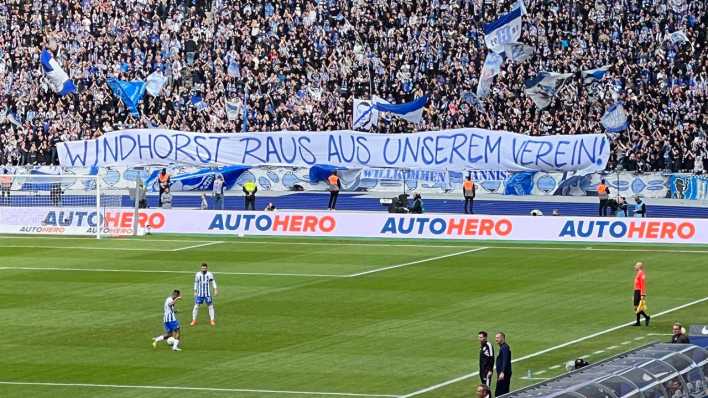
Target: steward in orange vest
{"points": [[334, 186], [468, 191], [603, 193]]}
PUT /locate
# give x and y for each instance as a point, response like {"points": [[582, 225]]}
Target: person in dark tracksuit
{"points": [[486, 359], [503, 366]]}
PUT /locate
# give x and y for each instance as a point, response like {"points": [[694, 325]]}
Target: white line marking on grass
{"points": [[535, 378], [586, 356], [639, 338], [425, 260], [88, 248], [612, 347], [554, 367], [180, 388], [626, 342], [216, 242], [598, 352], [659, 334], [145, 271], [535, 354], [540, 372], [366, 244]]}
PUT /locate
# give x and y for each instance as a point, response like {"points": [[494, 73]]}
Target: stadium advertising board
{"points": [[436, 150], [372, 225]]}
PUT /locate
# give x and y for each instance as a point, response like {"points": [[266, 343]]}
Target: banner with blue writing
{"points": [[447, 149]]}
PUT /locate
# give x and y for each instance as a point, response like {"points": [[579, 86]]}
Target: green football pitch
{"points": [[307, 317]]}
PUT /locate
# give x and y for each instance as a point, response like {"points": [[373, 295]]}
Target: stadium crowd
{"points": [[303, 62]]}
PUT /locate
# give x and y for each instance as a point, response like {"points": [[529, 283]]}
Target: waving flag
{"points": [[198, 102], [364, 114], [154, 83], [544, 86], [677, 38], [58, 79], [615, 119], [131, 93], [506, 29], [232, 110], [594, 75], [491, 68], [410, 111], [518, 52]]}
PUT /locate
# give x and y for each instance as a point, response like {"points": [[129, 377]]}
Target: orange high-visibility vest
{"points": [[5, 180], [333, 180]]}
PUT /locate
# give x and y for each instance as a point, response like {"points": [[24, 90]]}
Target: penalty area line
{"points": [[538, 353], [182, 388]]}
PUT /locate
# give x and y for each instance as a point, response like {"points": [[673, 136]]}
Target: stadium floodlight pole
{"points": [[98, 207]]}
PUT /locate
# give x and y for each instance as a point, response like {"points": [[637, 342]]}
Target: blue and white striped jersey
{"points": [[201, 284], [169, 310]]}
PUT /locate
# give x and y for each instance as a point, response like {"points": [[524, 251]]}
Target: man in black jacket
{"points": [[679, 334], [503, 366], [486, 359]]}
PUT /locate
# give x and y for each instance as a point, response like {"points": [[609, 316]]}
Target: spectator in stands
{"points": [[305, 61], [678, 334], [5, 185], [640, 209], [166, 199]]}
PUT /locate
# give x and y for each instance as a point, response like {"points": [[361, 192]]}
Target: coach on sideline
{"points": [[503, 366]]}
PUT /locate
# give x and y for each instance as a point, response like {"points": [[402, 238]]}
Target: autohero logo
{"points": [[278, 223], [114, 222], [637, 230], [463, 226]]}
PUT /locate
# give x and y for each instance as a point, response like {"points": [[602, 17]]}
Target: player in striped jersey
{"points": [[171, 335], [203, 282]]}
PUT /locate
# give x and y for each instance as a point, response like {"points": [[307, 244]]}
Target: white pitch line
{"points": [[626, 342], [425, 260], [535, 354], [535, 378], [88, 248], [366, 244], [612, 347], [598, 352], [540, 372], [554, 367], [639, 338], [180, 388], [216, 242], [145, 271]]}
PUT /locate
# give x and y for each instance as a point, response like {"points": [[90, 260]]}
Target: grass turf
{"points": [[291, 320]]}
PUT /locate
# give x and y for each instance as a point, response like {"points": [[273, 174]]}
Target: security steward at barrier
{"points": [[603, 193], [335, 184], [5, 184], [164, 180], [249, 190], [468, 191]]}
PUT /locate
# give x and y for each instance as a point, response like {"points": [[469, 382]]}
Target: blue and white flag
{"points": [[518, 52], [154, 83], [410, 111], [364, 114], [615, 119], [595, 75], [677, 38], [679, 6], [544, 86], [506, 29], [470, 98], [198, 102], [131, 93], [232, 108], [58, 79], [492, 67]]}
